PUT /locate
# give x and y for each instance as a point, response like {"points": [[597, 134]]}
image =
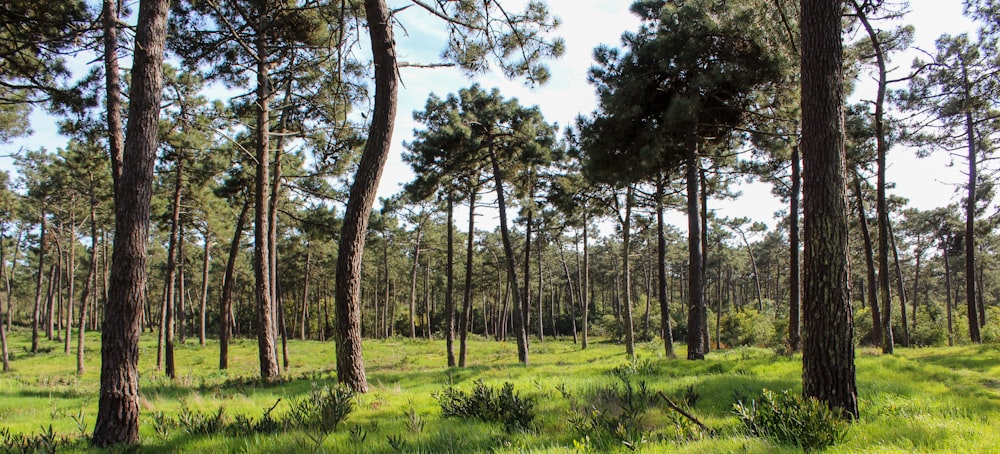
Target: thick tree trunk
{"points": [[696, 303], [795, 269], [350, 363], [118, 407], [467, 294], [828, 347], [226, 301]]}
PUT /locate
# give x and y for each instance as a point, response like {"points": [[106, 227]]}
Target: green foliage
{"points": [[324, 408], [747, 327], [991, 332], [792, 420], [46, 441], [489, 404]]}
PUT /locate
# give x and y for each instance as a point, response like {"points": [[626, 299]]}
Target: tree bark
{"points": [[627, 271], [118, 407], [876, 334], [202, 312], [666, 330], [585, 287], [828, 372], [520, 329], [696, 303], [40, 279], [226, 306], [467, 294], [795, 269], [171, 284], [899, 287], [263, 291], [449, 286], [89, 283], [350, 363]]}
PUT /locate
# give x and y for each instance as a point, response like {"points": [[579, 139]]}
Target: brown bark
{"points": [[118, 407], [40, 279], [172, 259], [449, 286], [350, 363], [827, 349], [263, 288], [627, 271], [877, 326], [467, 294], [900, 290], [795, 269], [203, 309], [227, 288], [666, 331], [520, 329], [697, 316], [89, 283]]}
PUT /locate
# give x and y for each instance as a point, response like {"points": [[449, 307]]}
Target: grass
{"points": [[919, 400]]}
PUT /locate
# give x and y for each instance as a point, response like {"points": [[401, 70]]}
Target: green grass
{"points": [[919, 400]]}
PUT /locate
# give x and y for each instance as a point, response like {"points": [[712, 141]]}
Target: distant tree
{"points": [[954, 99]]}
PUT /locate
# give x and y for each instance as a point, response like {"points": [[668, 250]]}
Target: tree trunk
{"points": [[526, 298], [696, 303], [70, 291], [226, 306], [877, 326], [666, 330], [263, 289], [585, 287], [413, 280], [947, 287], [627, 271], [828, 347], [88, 284], [6, 279], [899, 287], [795, 269], [449, 289], [36, 314], [202, 310], [970, 224], [520, 329], [350, 364], [173, 247], [304, 313], [118, 407], [467, 295]]}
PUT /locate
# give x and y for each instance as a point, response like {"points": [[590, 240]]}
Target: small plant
{"points": [[792, 420], [489, 404], [80, 419], [414, 422], [198, 423], [633, 367], [324, 408], [397, 443], [357, 434], [690, 396]]}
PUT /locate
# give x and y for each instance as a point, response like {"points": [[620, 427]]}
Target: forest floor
{"points": [[918, 400]]}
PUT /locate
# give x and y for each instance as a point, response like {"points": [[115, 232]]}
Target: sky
{"points": [[927, 183]]}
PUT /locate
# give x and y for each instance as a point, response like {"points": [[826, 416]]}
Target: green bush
{"points": [[324, 408], [489, 404], [792, 420], [747, 327], [991, 332]]}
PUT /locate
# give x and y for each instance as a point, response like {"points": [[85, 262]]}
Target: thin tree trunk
{"points": [[226, 302], [877, 326], [88, 285], [696, 302], [627, 271], [899, 288], [173, 248], [948, 302], [202, 311], [449, 289], [304, 313], [413, 280], [795, 269], [467, 295], [585, 288], [520, 330], [666, 330]]}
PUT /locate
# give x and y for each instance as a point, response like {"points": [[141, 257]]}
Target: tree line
{"points": [[172, 213]]}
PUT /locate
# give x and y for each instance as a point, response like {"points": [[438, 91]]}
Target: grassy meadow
{"points": [[919, 400]]}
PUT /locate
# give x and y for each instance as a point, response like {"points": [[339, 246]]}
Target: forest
{"points": [[212, 223]]}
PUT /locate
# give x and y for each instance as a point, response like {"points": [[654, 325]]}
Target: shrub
{"points": [[489, 404], [746, 327], [792, 420], [324, 408]]}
